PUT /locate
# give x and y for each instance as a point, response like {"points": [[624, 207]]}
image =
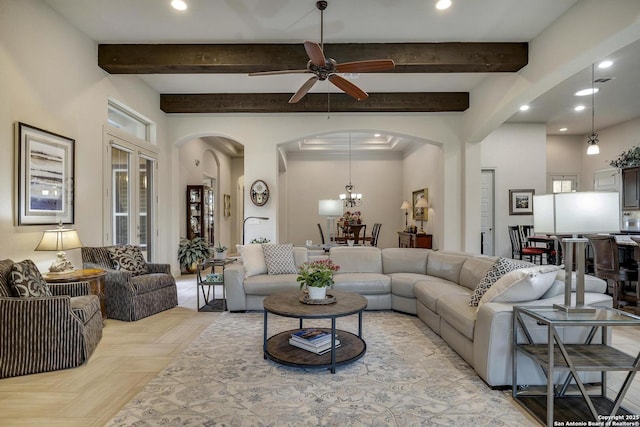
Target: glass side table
{"points": [[210, 273], [569, 359]]}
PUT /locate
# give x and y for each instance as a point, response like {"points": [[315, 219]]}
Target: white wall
{"points": [[49, 78], [517, 153]]}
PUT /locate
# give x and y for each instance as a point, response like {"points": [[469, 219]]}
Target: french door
{"points": [[131, 195]]}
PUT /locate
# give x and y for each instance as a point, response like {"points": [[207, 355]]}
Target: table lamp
{"points": [[406, 206], [422, 203], [587, 212], [331, 209], [59, 239]]}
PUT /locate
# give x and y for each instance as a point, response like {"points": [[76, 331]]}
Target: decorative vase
{"points": [[221, 255], [317, 293]]}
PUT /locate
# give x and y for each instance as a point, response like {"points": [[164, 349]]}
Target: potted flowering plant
{"points": [[221, 251], [317, 276]]}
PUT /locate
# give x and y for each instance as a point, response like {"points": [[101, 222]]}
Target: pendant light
{"points": [[350, 198], [592, 140]]}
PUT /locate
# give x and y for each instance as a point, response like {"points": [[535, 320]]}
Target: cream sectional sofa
{"points": [[437, 287]]}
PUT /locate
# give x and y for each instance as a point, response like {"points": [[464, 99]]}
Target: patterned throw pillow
{"points": [[26, 280], [128, 258], [497, 270], [279, 259]]}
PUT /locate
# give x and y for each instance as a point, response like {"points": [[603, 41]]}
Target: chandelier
{"points": [[592, 140], [350, 198]]}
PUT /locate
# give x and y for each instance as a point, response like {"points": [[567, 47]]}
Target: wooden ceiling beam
{"points": [[247, 58], [314, 103]]}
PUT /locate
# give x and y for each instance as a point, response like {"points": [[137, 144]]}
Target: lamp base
{"points": [[61, 264], [574, 308]]}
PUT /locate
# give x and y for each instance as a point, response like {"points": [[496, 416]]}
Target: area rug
{"points": [[408, 377]]}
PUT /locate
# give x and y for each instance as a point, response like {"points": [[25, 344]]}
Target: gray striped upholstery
{"points": [[47, 333], [129, 297]]}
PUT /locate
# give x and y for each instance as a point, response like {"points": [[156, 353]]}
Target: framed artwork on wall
{"points": [[227, 205], [44, 168], [420, 213], [521, 202]]}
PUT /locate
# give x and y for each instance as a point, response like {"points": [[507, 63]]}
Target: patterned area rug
{"points": [[408, 377]]}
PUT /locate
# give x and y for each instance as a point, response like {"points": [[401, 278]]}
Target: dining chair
{"points": [[607, 265], [519, 249], [321, 234], [375, 232]]}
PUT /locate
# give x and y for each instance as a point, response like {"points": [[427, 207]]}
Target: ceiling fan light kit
{"points": [[324, 68]]}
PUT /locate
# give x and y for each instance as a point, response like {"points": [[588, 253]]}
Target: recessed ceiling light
{"points": [[579, 107], [563, 129], [585, 92], [179, 4], [605, 64], [376, 135], [443, 4], [524, 107]]}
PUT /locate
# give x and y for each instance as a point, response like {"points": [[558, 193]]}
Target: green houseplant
{"points": [[190, 252], [317, 276], [221, 251], [628, 158]]}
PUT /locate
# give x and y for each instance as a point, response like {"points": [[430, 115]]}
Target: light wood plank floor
{"points": [[131, 354]]}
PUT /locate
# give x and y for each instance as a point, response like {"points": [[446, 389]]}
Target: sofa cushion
{"points": [[264, 284], [473, 270], [591, 284], [253, 259], [26, 280], [128, 258], [501, 267], [523, 284], [279, 259], [445, 266], [5, 278], [357, 259], [402, 283], [85, 306], [455, 310], [150, 282], [363, 283], [399, 260], [430, 290]]}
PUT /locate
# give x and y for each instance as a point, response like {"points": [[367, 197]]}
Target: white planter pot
{"points": [[317, 293], [221, 255]]}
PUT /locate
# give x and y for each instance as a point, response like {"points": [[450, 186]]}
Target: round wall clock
{"points": [[259, 192]]}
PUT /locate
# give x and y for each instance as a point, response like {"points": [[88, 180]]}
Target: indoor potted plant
{"points": [[190, 252], [221, 251], [317, 276]]}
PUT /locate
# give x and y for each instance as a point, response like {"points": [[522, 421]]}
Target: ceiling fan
{"points": [[324, 68]]}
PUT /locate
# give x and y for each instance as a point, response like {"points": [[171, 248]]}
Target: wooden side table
{"points": [[95, 277]]}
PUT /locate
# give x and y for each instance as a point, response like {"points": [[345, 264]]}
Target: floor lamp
{"points": [[245, 221], [331, 209], [578, 213]]}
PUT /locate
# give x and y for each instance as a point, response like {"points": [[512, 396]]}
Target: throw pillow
{"points": [[497, 270], [524, 284], [128, 258], [253, 259], [279, 259], [26, 280]]}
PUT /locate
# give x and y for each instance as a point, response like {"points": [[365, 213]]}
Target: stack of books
{"points": [[314, 340]]}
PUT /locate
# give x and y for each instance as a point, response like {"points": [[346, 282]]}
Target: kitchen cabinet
{"points": [[631, 188]]}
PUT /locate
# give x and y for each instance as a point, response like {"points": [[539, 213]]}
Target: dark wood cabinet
{"points": [[412, 240], [200, 212], [631, 188]]}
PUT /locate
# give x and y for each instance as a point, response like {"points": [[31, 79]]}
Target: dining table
{"points": [[352, 232]]}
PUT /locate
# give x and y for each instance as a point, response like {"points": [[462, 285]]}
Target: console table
{"points": [[563, 361], [413, 240]]}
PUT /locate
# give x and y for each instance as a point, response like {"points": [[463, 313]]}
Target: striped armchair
{"points": [[41, 334], [132, 297]]}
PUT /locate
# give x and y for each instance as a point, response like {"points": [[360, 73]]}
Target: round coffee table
{"points": [[287, 304]]}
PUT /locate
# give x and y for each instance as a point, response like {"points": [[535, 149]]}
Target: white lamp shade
{"points": [[59, 240], [577, 213], [405, 205], [422, 203], [329, 207]]}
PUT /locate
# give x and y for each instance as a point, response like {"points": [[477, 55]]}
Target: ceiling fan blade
{"points": [[273, 73], [314, 51], [365, 66], [348, 87], [303, 90]]}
